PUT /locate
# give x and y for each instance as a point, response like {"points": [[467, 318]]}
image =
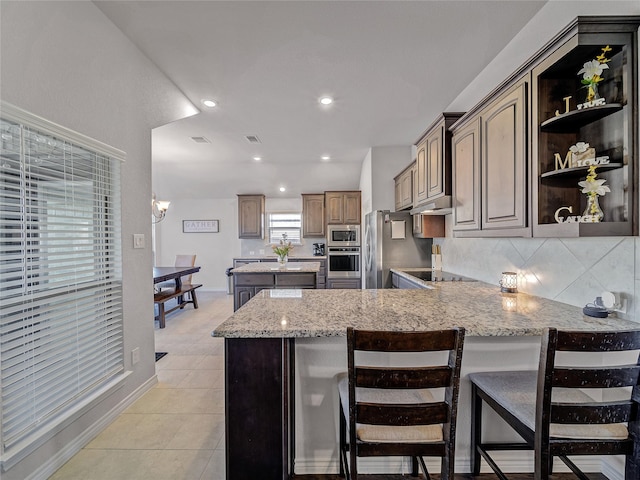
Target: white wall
{"points": [[379, 168], [67, 63], [573, 271], [214, 251]]}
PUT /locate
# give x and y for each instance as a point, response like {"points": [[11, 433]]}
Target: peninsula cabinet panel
{"points": [[342, 208], [313, 216], [466, 176], [250, 216], [504, 161]]}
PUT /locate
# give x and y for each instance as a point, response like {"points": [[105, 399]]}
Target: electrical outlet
{"points": [[135, 355], [262, 251], [252, 252], [138, 240]]}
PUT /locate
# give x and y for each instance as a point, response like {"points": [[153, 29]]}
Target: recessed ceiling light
{"points": [[282, 189], [325, 158], [209, 103], [326, 100], [257, 158]]}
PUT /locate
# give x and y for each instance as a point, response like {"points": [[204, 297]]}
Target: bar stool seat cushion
{"points": [[515, 391], [387, 433]]}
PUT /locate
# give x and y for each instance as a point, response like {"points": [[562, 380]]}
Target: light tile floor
{"points": [[176, 429]]}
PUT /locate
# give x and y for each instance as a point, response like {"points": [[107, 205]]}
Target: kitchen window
{"points": [[285, 223], [61, 333]]}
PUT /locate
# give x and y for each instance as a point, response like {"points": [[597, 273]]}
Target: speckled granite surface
{"points": [[477, 306], [271, 267]]}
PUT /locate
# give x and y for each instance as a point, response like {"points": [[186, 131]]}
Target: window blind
{"points": [[61, 335], [285, 223]]}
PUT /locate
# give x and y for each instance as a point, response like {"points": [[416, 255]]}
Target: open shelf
{"points": [[579, 171], [575, 119]]}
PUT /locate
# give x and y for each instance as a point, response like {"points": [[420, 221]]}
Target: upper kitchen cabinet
{"points": [[342, 208], [433, 165], [404, 188], [250, 216], [313, 220], [466, 175], [585, 127], [490, 166]]}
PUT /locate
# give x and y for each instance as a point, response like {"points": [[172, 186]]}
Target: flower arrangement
{"points": [[592, 73], [593, 188], [282, 249]]}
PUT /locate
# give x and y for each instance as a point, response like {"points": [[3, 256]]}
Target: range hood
{"points": [[438, 206]]}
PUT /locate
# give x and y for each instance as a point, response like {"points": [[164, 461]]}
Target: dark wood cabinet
{"points": [[246, 285], [313, 216], [433, 161], [404, 188], [342, 208], [504, 161], [466, 176], [489, 153], [250, 216], [572, 131]]}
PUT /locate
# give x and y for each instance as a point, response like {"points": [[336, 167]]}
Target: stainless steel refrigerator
{"points": [[384, 248]]}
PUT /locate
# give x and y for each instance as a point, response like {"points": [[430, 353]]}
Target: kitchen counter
{"points": [[284, 348], [273, 258], [269, 267], [479, 307]]}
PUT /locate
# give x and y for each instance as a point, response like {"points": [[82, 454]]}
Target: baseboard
{"points": [[509, 462], [63, 455]]}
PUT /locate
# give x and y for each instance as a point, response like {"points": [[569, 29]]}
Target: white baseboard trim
{"points": [[49, 467], [508, 462]]}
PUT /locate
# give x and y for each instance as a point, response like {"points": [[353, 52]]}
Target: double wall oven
{"points": [[343, 251]]}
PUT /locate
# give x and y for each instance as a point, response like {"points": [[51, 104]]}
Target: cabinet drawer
{"points": [[296, 280], [254, 279]]}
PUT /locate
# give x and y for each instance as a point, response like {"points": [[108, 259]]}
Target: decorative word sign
{"points": [[594, 103], [200, 226], [574, 218], [579, 155]]}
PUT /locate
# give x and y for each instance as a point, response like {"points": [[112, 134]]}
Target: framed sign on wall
{"points": [[200, 226]]}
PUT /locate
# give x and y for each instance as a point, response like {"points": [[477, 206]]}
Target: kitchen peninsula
{"points": [[273, 333], [252, 278]]}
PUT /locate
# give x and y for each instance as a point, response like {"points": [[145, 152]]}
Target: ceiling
{"points": [[391, 67]]}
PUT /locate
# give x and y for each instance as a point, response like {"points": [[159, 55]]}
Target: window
{"points": [[61, 336], [285, 223]]}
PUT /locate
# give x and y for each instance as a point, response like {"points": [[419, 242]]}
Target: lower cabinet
{"points": [[344, 283], [247, 285]]}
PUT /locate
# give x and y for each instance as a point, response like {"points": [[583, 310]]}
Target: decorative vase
{"points": [[282, 260], [592, 92], [593, 209]]}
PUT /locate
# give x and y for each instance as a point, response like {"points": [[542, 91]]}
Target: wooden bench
{"points": [[160, 298]]}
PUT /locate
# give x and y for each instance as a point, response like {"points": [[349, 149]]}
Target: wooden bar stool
{"points": [[552, 411], [389, 410]]}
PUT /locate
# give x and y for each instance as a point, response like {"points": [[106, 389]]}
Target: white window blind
{"points": [[285, 223], [61, 333]]}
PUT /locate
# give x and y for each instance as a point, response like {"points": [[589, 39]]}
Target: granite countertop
{"points": [[270, 267], [479, 307], [293, 257]]}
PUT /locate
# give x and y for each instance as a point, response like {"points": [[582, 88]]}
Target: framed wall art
{"points": [[200, 226]]}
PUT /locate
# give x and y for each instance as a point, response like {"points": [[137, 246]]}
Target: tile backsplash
{"points": [[569, 270]]}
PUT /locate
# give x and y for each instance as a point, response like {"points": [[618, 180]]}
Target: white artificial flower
{"points": [[594, 186], [591, 69], [579, 147]]}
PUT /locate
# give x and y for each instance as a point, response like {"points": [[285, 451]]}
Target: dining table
{"points": [[164, 274], [183, 294]]}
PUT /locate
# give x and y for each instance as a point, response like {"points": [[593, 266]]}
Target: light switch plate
{"points": [[138, 240]]}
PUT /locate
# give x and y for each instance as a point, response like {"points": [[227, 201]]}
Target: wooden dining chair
{"points": [[565, 410], [392, 410]]}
